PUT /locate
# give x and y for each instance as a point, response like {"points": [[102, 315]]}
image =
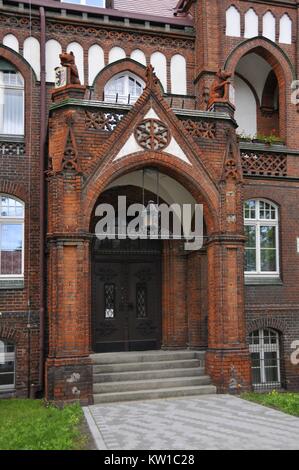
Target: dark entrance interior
{"points": [[126, 291]]}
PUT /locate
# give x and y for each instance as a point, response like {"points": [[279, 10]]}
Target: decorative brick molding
{"points": [[9, 333], [19, 22], [266, 322], [11, 147], [102, 121], [152, 134], [14, 189], [121, 37], [200, 129], [263, 163]]}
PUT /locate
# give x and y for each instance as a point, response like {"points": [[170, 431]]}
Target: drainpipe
{"points": [[42, 194]]}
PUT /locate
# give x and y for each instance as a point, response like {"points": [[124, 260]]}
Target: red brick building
{"points": [[170, 135]]}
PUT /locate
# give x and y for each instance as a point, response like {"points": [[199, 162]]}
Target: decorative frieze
{"points": [[122, 36], [102, 121], [264, 163], [200, 129], [11, 148]]}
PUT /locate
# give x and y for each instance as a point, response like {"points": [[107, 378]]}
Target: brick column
{"points": [[196, 300], [227, 359], [174, 308], [68, 367]]}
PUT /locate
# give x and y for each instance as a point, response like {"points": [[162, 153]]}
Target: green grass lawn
{"points": [[286, 402], [31, 425]]}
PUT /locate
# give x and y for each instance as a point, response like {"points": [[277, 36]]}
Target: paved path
{"points": [[194, 423]]}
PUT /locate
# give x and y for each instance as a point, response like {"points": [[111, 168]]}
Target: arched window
{"points": [[11, 100], [265, 357], [11, 237], [233, 22], [178, 74], [261, 229], [269, 27], [123, 88], [7, 365], [251, 24], [285, 29]]}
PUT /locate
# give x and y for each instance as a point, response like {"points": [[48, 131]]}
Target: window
{"points": [[265, 357], [89, 3], [123, 88], [285, 30], [11, 237], [7, 365], [251, 24], [109, 296], [233, 22], [269, 26], [11, 101], [261, 229]]}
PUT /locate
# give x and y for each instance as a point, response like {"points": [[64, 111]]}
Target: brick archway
{"points": [[281, 66], [119, 66], [180, 171]]}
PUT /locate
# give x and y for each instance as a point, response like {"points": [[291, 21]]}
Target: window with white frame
{"points": [[11, 237], [265, 358], [11, 100], [7, 365], [124, 88], [89, 3], [261, 230], [233, 22]]}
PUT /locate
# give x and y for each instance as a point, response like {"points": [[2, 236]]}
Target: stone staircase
{"points": [[146, 375]]}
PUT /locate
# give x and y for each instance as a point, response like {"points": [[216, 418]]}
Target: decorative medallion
{"points": [[152, 134]]}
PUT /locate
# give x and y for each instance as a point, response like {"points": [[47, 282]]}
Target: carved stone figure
{"points": [[220, 87], [67, 59]]}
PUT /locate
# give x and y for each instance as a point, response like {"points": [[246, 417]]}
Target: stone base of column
{"points": [[69, 380], [230, 370]]}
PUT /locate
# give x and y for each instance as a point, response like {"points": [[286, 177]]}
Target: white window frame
{"points": [[11, 220], [261, 348], [4, 87], [257, 222], [9, 357], [123, 99], [83, 2]]}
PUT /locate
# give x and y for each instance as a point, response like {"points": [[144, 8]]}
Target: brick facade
{"points": [[205, 302]]}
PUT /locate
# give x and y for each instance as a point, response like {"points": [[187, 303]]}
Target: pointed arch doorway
{"points": [[126, 296], [126, 290]]}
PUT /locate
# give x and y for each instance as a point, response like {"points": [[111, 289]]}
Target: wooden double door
{"points": [[126, 303]]}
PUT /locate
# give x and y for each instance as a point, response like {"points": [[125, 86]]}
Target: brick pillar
{"points": [[174, 308], [68, 367], [227, 359], [196, 296]]}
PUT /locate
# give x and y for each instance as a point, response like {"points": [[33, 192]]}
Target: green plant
{"points": [[283, 401], [268, 139], [38, 425]]}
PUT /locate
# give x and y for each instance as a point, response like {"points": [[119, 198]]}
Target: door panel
{"points": [[126, 305], [108, 307], [145, 313]]}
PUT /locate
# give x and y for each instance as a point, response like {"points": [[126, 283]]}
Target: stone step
{"points": [[173, 392], [145, 356], [144, 366], [147, 374], [135, 385]]}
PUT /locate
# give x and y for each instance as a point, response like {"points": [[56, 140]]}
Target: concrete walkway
{"points": [[194, 423]]}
